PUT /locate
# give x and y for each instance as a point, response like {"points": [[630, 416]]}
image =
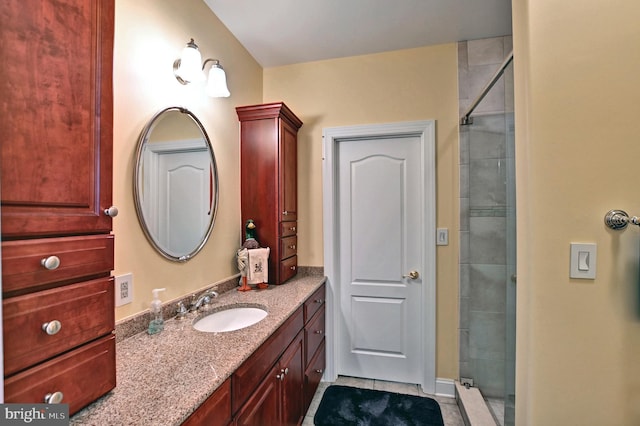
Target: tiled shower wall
{"points": [[487, 259]]}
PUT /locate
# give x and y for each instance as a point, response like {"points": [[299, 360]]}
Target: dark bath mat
{"points": [[344, 405]]}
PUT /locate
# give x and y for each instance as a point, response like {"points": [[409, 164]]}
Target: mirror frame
{"points": [[142, 141]]}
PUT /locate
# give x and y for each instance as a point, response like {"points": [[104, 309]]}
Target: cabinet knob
{"points": [[292, 246], [319, 371], [285, 213], [293, 228], [293, 268], [285, 371], [111, 211], [280, 377], [319, 301], [53, 398], [52, 327], [51, 262], [318, 331]]}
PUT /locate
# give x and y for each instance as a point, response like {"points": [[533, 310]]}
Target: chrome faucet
{"points": [[203, 299]]}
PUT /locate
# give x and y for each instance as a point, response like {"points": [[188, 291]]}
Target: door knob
{"points": [[414, 275], [111, 211], [51, 262]]}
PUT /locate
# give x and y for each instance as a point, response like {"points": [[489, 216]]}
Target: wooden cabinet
{"points": [[278, 399], [56, 117], [314, 331], [56, 177], [269, 191], [291, 376], [216, 410], [247, 377], [263, 407]]}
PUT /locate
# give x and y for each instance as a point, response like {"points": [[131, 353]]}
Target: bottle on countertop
{"points": [[156, 325]]}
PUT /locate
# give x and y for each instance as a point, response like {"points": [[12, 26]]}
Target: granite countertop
{"points": [[161, 379]]}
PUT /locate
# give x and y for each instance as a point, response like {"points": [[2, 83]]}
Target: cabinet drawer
{"points": [[288, 228], [85, 312], [82, 376], [288, 246], [250, 373], [314, 302], [313, 374], [216, 410], [288, 268], [314, 334], [80, 257]]}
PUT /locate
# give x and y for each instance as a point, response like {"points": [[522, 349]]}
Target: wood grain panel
{"points": [[56, 113], [252, 371], [314, 334], [82, 376], [216, 410], [80, 257], [314, 303], [85, 310]]}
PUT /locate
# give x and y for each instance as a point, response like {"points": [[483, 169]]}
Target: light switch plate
{"points": [[442, 237], [583, 261], [124, 289]]}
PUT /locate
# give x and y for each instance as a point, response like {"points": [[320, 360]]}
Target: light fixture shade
{"points": [[189, 68], [217, 84]]}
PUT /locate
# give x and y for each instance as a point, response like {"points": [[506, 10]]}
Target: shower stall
{"points": [[487, 223]]}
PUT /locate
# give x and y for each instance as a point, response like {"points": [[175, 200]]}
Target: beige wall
{"points": [[577, 83], [407, 85], [149, 36]]}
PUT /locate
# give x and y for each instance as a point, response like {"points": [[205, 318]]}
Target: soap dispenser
{"points": [[156, 325]]}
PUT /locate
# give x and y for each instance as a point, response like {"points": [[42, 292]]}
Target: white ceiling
{"points": [[281, 32]]}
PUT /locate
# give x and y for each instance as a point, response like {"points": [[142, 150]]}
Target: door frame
{"points": [[331, 137]]}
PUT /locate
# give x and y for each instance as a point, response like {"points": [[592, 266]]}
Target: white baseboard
{"points": [[445, 387]]}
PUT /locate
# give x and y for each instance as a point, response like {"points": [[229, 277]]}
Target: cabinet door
{"points": [[288, 172], [215, 411], [56, 116], [263, 407], [292, 382]]}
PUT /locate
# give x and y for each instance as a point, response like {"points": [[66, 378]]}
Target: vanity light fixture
{"points": [[187, 70]]}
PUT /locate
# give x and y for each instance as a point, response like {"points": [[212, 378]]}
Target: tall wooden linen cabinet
{"points": [[56, 113], [269, 190]]}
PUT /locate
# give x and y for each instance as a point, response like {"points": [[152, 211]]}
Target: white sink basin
{"points": [[234, 318]]}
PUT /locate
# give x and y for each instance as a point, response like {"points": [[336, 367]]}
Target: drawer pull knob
{"points": [[280, 377], [285, 213], [292, 246], [52, 327], [293, 228], [293, 268], [318, 331], [319, 301], [285, 371], [319, 371], [111, 211], [51, 262], [53, 398]]}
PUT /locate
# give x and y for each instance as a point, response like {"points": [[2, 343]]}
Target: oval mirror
{"points": [[175, 183]]}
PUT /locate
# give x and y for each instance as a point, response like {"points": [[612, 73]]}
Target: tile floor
{"points": [[448, 406]]}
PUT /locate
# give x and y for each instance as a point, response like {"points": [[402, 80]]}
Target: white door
{"points": [[384, 268], [183, 199]]}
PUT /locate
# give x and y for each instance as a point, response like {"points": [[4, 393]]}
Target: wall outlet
{"points": [[124, 289]]}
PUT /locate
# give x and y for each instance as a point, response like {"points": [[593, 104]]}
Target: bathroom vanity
{"points": [[263, 374]]}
